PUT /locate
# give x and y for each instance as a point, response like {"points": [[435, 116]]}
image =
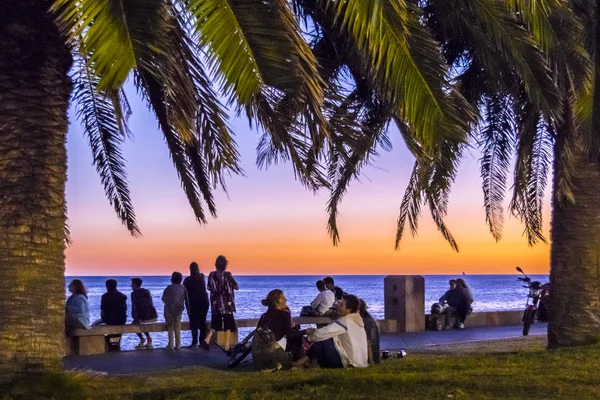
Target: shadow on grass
{"points": [[46, 386]]}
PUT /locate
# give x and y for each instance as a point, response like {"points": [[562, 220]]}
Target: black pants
{"points": [[198, 322]]}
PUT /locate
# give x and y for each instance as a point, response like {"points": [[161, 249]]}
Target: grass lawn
{"points": [[510, 369]]}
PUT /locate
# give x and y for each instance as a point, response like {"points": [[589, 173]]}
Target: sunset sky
{"points": [[271, 225]]}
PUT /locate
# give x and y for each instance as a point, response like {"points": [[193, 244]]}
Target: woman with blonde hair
{"points": [[77, 314]]}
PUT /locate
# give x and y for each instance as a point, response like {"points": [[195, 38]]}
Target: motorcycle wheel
{"points": [[527, 321]]}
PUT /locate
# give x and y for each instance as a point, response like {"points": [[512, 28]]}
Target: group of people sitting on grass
{"points": [[351, 340], [453, 307], [191, 295]]}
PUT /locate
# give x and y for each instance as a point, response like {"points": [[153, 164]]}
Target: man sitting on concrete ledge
{"points": [[343, 343]]}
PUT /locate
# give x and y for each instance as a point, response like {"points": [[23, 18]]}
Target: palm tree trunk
{"points": [[34, 98], [575, 252]]}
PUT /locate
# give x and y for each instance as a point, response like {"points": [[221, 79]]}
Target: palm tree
{"points": [[546, 127], [556, 139]]}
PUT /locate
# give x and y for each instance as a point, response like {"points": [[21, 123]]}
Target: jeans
{"points": [[326, 353], [174, 329]]}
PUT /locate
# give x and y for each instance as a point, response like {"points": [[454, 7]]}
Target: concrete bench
{"points": [[91, 341]]}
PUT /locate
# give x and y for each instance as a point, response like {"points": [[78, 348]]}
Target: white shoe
{"points": [[461, 326]]}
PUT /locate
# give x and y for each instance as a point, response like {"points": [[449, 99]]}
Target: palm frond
{"points": [[347, 158], [534, 154], [264, 49], [429, 185], [410, 208], [512, 39], [105, 129], [497, 142], [156, 98], [114, 36], [403, 62], [211, 128]]}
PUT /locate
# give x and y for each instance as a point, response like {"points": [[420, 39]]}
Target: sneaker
{"points": [[277, 368], [461, 326], [193, 346], [149, 346], [140, 346], [447, 327], [177, 347], [204, 346], [169, 347]]}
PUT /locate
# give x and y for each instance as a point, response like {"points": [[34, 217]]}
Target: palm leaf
{"points": [[534, 155], [348, 158], [264, 49], [429, 184], [497, 141], [154, 94], [404, 64], [115, 35], [105, 129], [214, 134]]}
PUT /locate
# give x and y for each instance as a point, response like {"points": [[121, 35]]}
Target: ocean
{"points": [[491, 293]]}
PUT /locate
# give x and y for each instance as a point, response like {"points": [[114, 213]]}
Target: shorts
{"points": [[223, 322]]}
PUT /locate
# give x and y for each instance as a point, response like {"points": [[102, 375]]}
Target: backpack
{"points": [[266, 353]]}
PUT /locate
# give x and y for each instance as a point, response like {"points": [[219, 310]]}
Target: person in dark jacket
{"points": [[458, 305], [373, 333], [113, 305], [197, 307], [278, 320], [142, 310], [113, 311], [338, 292]]}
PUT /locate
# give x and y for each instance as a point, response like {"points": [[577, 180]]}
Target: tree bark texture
{"points": [[575, 254], [34, 98]]}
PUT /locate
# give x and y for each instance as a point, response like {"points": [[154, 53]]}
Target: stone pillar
{"points": [[404, 301]]}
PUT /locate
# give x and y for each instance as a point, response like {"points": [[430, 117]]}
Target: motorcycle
{"points": [[540, 295]]}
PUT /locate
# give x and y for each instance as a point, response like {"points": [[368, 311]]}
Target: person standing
{"points": [[113, 311], [197, 307], [222, 302], [175, 298], [77, 314], [142, 310]]}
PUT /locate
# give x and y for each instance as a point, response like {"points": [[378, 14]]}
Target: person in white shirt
{"points": [[343, 343], [324, 300]]}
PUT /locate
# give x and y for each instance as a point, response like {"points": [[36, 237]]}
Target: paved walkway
{"points": [[130, 362]]}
